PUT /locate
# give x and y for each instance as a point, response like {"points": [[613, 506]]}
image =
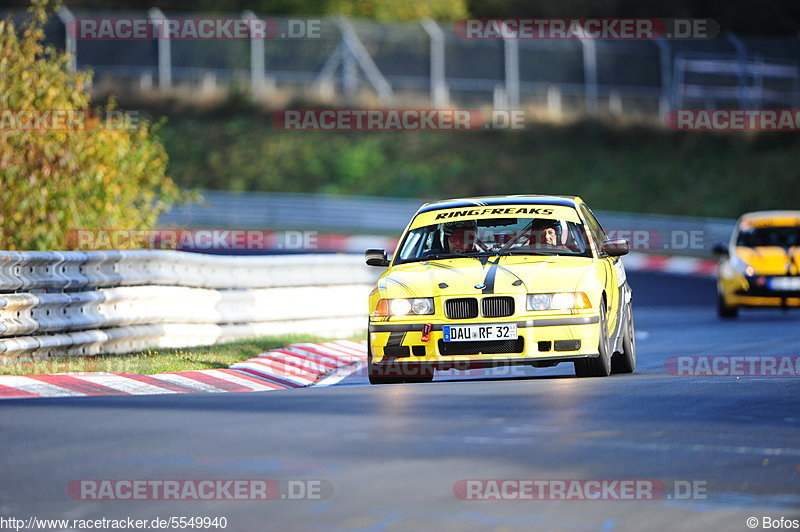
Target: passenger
{"points": [[461, 241]]}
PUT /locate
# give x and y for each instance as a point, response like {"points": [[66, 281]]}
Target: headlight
{"points": [[558, 301], [741, 266], [418, 306]]}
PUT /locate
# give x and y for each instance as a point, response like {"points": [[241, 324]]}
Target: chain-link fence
{"points": [[428, 64]]}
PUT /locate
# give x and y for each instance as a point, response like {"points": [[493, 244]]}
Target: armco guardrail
{"points": [[84, 303]]}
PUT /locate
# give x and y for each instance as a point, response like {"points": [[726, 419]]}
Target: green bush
{"points": [[57, 180], [637, 169]]}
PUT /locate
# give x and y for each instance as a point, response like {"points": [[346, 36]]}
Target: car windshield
{"points": [[769, 236], [504, 236]]}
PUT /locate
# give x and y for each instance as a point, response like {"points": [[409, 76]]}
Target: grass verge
{"points": [[159, 360]]}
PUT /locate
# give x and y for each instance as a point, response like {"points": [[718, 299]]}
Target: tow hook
{"points": [[426, 332]]}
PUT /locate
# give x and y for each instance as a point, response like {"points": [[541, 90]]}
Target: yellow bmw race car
{"points": [[514, 280], [761, 265]]}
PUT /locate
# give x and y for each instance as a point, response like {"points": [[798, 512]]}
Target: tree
{"points": [[90, 174]]}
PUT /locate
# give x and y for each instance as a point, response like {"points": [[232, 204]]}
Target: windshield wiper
{"points": [[432, 256]]}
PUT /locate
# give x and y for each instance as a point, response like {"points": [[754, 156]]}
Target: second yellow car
{"points": [[761, 265]]}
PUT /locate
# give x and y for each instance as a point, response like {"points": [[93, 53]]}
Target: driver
{"points": [[545, 234]]}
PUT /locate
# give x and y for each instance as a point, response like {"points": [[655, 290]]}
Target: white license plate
{"points": [[784, 283], [472, 333]]}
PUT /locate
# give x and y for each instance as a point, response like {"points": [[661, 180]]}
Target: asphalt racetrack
{"points": [[396, 458]]}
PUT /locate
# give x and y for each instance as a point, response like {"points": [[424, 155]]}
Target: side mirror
{"points": [[719, 249], [615, 247], [376, 257]]}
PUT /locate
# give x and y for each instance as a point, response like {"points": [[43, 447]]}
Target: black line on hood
{"points": [[515, 275], [443, 266], [401, 285], [488, 281]]}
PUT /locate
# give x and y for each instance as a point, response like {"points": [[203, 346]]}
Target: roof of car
{"points": [[520, 199], [776, 217]]}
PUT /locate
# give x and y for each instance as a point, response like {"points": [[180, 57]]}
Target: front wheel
{"points": [[625, 362], [381, 373], [599, 366], [724, 310], [395, 373]]}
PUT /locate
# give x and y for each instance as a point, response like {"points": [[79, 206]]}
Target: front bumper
{"points": [[542, 341], [755, 291]]}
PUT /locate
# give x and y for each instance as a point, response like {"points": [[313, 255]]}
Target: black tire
{"points": [[625, 362], [599, 366], [384, 374], [381, 373], [394, 373], [724, 310], [417, 373]]}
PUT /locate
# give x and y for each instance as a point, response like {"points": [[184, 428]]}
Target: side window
{"points": [[595, 229]]}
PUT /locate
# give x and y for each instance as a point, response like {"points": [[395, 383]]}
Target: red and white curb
{"points": [[294, 366], [669, 264]]}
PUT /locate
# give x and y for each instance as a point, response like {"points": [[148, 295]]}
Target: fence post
{"points": [[499, 97], [741, 55], [439, 95], [615, 102], [325, 83], [511, 49], [257, 74], [355, 48], [70, 42], [349, 78], [666, 76], [590, 75], [164, 52], [554, 102]]}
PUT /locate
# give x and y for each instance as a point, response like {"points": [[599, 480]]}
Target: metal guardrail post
{"points": [[439, 96], [349, 76], [355, 47], [590, 74], [511, 52], [324, 82], [741, 54], [164, 50], [257, 74], [554, 102], [70, 43], [664, 62]]}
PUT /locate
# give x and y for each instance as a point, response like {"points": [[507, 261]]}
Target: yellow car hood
{"points": [[494, 275], [771, 260]]}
